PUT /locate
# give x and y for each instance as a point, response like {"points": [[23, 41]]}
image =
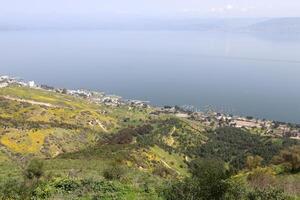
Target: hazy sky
{"points": [[99, 8]]}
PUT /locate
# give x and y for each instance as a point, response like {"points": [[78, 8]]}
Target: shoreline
{"points": [[210, 118]]}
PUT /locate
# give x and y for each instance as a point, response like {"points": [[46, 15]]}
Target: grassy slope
{"points": [[73, 122], [69, 132]]}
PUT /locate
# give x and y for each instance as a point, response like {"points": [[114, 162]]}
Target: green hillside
{"points": [[57, 146]]}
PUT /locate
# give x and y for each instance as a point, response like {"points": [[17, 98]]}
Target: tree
{"points": [[64, 91], [211, 176], [208, 182]]}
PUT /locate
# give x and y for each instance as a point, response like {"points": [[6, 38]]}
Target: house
{"points": [[80, 93], [240, 123], [138, 103], [31, 84], [182, 115]]}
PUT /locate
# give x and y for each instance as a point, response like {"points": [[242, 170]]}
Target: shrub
{"points": [[239, 190], [11, 189], [163, 172], [289, 158], [253, 162], [115, 172], [67, 185], [43, 191], [261, 178], [34, 170], [236, 190], [124, 136], [182, 190], [267, 194]]}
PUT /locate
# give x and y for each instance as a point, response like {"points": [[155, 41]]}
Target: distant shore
{"points": [[209, 118]]}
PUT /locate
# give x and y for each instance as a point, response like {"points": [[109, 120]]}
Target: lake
{"points": [[234, 73]]}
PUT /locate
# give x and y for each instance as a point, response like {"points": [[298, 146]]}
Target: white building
{"points": [[31, 84], [2, 85]]}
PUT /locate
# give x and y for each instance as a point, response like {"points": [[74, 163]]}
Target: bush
{"points": [[116, 172], [253, 162], [43, 191], [34, 170], [239, 190], [235, 190], [163, 172], [23, 189], [182, 190], [66, 185], [124, 136], [261, 178], [267, 194], [11, 189], [289, 158]]}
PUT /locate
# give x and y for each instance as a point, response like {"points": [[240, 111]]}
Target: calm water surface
{"points": [[235, 73]]}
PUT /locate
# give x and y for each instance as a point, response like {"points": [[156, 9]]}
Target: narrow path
{"points": [[30, 102], [168, 166], [173, 131], [102, 126]]}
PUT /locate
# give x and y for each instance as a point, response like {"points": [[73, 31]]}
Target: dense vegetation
{"points": [[55, 146], [234, 145]]}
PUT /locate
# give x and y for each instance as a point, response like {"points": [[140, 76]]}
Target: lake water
{"points": [[234, 73]]}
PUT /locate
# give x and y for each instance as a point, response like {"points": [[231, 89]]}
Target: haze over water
{"points": [[234, 73]]}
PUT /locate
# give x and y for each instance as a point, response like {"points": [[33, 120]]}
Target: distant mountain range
{"points": [[278, 25], [256, 25], [131, 23]]}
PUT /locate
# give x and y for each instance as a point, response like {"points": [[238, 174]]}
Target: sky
{"points": [[34, 9]]}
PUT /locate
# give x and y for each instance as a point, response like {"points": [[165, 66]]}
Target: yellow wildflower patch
{"points": [[25, 142]]}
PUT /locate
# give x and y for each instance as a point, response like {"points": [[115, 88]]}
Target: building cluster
{"points": [[100, 97], [110, 100], [7, 80], [287, 131], [138, 103], [97, 97], [223, 120], [79, 93], [175, 110]]}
